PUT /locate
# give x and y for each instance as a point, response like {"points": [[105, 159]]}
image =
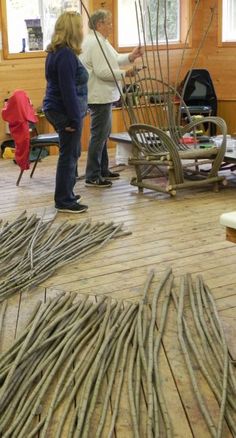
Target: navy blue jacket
{"points": [[66, 90]]}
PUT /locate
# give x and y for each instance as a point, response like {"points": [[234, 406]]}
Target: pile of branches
{"points": [[32, 249], [75, 356], [204, 347]]}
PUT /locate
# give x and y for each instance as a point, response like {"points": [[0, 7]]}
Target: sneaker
{"points": [[111, 175], [99, 182], [78, 198], [74, 208]]}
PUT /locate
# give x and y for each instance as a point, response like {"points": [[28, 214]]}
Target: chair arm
{"points": [[220, 123], [139, 134]]}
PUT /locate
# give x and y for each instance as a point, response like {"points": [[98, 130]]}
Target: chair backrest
{"points": [[198, 90], [18, 108], [18, 111], [152, 102]]}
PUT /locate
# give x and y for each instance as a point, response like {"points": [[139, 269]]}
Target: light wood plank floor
{"points": [[181, 232]]}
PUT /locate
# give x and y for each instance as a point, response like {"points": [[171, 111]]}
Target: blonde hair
{"points": [[67, 32]]}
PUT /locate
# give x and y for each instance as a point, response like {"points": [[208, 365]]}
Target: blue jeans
{"points": [[69, 152], [97, 160]]}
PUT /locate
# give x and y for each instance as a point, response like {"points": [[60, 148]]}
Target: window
{"points": [[128, 32], [28, 24], [228, 20]]}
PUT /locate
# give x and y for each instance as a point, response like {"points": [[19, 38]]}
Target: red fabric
{"points": [[18, 112], [188, 140]]}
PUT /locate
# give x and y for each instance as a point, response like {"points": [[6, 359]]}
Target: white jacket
{"points": [[101, 85]]}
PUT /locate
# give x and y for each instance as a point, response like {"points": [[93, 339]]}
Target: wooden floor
{"points": [[181, 232]]}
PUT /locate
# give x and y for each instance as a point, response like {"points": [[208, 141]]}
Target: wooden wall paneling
{"points": [[99, 4], [220, 61], [227, 110], [85, 133]]}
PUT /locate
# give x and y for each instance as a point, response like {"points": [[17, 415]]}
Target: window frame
{"points": [[222, 43], [185, 14], [5, 45]]}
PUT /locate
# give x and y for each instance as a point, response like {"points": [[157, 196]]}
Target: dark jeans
{"points": [[97, 161], [69, 152]]}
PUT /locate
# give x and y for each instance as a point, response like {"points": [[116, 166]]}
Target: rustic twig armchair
{"points": [[159, 144]]}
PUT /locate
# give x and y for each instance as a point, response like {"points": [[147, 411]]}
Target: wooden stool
{"points": [[229, 221]]}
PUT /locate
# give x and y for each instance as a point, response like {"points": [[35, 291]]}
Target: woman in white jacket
{"points": [[102, 92]]}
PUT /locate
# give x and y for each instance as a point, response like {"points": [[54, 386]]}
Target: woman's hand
{"points": [[137, 52], [130, 73], [133, 71]]}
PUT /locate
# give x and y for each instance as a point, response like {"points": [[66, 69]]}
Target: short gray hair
{"points": [[97, 16]]}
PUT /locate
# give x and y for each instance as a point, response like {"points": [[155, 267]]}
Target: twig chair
{"points": [[158, 141]]}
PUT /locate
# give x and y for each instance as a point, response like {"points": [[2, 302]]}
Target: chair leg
{"points": [[36, 162], [216, 187], [139, 177], [19, 177]]}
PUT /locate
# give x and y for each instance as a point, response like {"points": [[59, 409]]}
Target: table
{"points": [[124, 137], [123, 147], [120, 137], [230, 157]]}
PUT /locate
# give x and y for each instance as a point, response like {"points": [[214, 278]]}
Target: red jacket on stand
{"points": [[18, 112]]}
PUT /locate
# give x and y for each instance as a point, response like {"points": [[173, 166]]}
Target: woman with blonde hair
{"points": [[65, 104]]}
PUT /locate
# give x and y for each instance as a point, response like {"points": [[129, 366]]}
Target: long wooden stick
{"points": [[150, 364], [202, 405]]}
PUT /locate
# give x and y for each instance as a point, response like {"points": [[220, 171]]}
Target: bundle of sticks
{"points": [[31, 249], [77, 354]]}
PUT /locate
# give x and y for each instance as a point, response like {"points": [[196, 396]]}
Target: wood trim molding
{"points": [[3, 12]]}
